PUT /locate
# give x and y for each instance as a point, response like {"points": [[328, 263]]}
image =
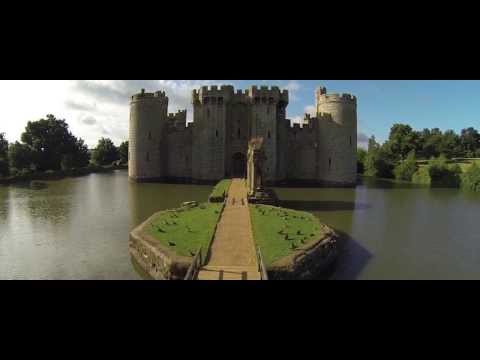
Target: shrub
{"points": [[439, 174], [471, 178], [405, 169], [442, 174], [421, 176], [4, 168]]}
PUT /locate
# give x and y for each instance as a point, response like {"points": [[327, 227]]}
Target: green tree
{"points": [[21, 156], [51, 140], [401, 141], [432, 143], [361, 156], [450, 145], [123, 152], [378, 162], [4, 167], [470, 141], [406, 168], [105, 153]]}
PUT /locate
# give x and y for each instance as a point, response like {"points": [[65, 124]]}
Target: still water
{"points": [[78, 228]]}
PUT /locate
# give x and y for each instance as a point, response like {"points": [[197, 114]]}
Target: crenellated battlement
{"points": [[264, 94], [158, 95], [322, 96]]}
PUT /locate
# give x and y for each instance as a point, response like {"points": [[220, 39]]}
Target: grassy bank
{"points": [[59, 174], [220, 191], [184, 230], [278, 231], [463, 163]]}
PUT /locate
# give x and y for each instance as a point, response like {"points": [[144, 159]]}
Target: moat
{"points": [[78, 228]]}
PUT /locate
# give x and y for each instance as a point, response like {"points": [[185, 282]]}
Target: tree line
{"points": [[48, 145], [399, 156]]}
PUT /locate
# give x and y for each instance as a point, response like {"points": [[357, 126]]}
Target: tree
{"points": [[51, 140], [406, 168], [432, 143], [402, 140], [470, 141], [361, 155], [378, 162], [4, 167], [123, 152], [105, 153], [20, 156], [450, 145]]}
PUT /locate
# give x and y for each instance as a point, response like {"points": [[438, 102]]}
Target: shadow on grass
{"points": [[352, 259], [306, 205]]}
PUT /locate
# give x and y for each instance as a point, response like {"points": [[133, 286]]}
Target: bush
{"points": [[405, 169], [377, 164], [444, 175], [4, 168], [421, 176], [439, 174], [471, 178]]}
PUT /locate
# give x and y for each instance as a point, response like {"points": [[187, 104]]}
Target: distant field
{"points": [[463, 163]]}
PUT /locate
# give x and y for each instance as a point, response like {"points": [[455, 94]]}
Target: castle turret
{"points": [[148, 119], [337, 117]]}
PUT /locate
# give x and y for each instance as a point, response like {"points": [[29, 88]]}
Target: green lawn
{"points": [[185, 230], [278, 231], [220, 190]]}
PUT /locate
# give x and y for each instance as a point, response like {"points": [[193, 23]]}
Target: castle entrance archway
{"points": [[239, 165]]}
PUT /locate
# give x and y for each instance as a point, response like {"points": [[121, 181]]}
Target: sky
{"points": [[100, 108]]}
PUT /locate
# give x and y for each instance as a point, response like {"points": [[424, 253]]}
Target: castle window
{"points": [[239, 133], [216, 133], [257, 100], [220, 101], [205, 100], [149, 135], [208, 113], [329, 163], [270, 100], [350, 141], [268, 135], [264, 100], [148, 156]]}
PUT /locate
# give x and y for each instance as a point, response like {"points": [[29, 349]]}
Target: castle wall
{"points": [[303, 152], [148, 116], [179, 161]]}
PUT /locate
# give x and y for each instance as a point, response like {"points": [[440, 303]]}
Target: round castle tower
{"points": [[337, 115], [148, 117]]}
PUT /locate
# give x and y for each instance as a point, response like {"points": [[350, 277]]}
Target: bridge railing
{"points": [[195, 266], [262, 269]]}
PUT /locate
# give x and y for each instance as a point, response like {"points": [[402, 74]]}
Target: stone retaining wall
{"points": [[308, 262]]}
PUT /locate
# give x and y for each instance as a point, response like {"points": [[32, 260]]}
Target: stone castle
{"points": [[164, 147]]}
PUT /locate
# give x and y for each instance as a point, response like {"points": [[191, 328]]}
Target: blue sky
{"points": [[96, 108], [445, 104]]}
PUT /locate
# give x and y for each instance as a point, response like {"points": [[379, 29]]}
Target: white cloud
{"points": [[293, 87]]}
